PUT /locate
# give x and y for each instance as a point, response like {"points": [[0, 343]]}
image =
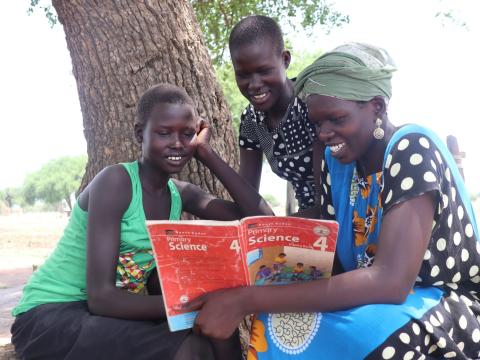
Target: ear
{"points": [[379, 106], [138, 129], [286, 58]]}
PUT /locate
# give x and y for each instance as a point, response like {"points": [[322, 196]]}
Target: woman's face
{"points": [[260, 74], [346, 127]]}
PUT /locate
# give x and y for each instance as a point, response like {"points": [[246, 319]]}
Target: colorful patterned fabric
{"points": [[130, 275], [441, 316]]}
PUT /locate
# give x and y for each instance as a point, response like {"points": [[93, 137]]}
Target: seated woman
{"points": [[86, 301], [408, 240]]}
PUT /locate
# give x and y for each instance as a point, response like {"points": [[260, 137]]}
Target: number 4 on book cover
{"points": [[200, 256]]}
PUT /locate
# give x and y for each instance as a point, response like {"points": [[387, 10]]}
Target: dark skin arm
{"points": [[251, 166], [107, 201], [247, 201], [399, 256]]}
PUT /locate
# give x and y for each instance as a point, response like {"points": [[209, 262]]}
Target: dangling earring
{"points": [[378, 133]]}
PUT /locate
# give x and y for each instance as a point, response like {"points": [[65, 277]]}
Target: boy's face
{"points": [[260, 74], [169, 137]]}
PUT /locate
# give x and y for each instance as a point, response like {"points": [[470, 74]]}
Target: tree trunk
{"points": [[119, 48]]}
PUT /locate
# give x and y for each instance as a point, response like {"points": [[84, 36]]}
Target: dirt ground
{"points": [[25, 242]]}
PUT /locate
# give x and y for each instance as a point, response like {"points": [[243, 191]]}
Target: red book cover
{"points": [[193, 258], [200, 256]]}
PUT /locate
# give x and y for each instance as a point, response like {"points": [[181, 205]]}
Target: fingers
{"points": [[202, 124], [194, 305]]}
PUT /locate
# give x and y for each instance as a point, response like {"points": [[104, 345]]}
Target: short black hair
{"points": [[256, 28], [157, 94]]}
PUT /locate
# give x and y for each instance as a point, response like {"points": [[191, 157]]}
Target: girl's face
{"points": [[169, 136], [346, 127], [260, 74]]}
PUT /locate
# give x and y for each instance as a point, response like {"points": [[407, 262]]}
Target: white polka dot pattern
{"points": [[288, 147], [415, 166]]}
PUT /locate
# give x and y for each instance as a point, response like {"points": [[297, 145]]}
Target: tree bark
{"points": [[119, 48]]}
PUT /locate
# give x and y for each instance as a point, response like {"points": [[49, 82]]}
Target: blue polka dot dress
{"points": [[415, 165]]}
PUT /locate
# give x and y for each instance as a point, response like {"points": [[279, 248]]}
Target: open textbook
{"points": [[200, 256]]}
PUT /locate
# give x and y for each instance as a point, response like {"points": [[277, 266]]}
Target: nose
{"points": [[255, 82], [176, 141], [324, 132]]}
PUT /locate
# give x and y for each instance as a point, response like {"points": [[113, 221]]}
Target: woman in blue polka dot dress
{"points": [[408, 246]]}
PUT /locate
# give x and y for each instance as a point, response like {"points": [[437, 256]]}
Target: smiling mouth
{"points": [[175, 158], [259, 97], [336, 148]]}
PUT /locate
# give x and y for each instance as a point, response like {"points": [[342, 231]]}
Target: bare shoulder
{"points": [[111, 182]]}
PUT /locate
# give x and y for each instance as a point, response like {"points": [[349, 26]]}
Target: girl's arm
{"points": [[109, 195], [251, 166], [247, 201], [389, 280]]}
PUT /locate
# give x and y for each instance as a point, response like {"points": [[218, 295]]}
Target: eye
{"points": [[338, 120], [162, 133], [189, 134], [241, 76], [265, 71]]}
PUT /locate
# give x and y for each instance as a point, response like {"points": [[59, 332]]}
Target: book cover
{"points": [[199, 256]]}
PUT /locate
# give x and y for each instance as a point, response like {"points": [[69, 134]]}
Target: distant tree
{"points": [[55, 181], [9, 196], [271, 199]]}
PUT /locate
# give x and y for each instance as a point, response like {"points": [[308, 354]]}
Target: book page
{"points": [[193, 258], [281, 250]]}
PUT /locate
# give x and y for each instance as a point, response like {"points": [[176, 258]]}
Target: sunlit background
{"points": [[435, 85]]}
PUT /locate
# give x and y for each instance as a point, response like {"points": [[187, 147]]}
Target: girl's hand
{"points": [[203, 139], [220, 312]]}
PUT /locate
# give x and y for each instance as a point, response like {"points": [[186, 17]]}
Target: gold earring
{"points": [[378, 133]]}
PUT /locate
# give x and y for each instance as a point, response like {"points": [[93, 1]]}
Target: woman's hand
{"points": [[220, 312], [203, 139]]}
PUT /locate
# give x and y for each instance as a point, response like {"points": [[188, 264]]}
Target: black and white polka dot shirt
{"points": [[288, 148]]}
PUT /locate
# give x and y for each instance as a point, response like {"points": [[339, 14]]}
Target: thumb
{"points": [[195, 304]]}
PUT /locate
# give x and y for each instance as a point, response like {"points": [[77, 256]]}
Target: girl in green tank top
{"points": [[95, 296]]}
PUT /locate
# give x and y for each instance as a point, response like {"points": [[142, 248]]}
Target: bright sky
{"points": [[435, 86]]}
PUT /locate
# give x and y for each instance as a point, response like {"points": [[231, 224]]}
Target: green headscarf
{"points": [[353, 71]]}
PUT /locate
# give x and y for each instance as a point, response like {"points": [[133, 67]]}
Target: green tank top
{"points": [[62, 278]]}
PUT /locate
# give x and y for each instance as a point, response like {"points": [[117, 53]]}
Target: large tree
{"points": [[118, 50]]}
